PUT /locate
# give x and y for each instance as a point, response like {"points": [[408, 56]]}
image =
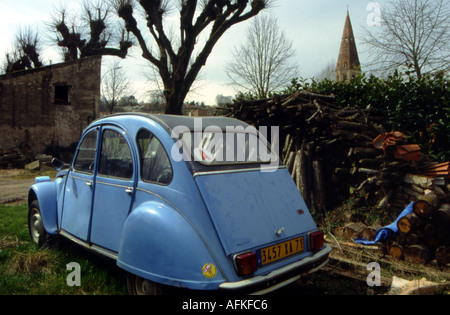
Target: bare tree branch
{"points": [[414, 34], [26, 52], [28, 41], [90, 34]]}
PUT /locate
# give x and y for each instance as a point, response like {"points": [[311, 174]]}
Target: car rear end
{"points": [[264, 226]]}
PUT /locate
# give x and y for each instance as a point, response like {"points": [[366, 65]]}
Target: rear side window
{"points": [[85, 160], [155, 163], [115, 156]]}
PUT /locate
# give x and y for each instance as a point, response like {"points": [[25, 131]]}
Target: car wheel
{"points": [[140, 286], [35, 225]]}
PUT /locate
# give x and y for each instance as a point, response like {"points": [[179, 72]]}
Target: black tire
{"points": [[36, 226], [139, 286]]}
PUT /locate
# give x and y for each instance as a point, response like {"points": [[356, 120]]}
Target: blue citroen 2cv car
{"points": [[181, 202]]}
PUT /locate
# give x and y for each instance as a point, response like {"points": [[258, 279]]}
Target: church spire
{"points": [[348, 65]]}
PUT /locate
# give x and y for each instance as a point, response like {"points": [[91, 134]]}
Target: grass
{"points": [[26, 269]]}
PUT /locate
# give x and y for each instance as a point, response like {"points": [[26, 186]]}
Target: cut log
{"points": [[364, 152], [417, 254], [319, 186], [442, 231], [301, 173], [432, 242], [368, 233], [442, 216], [353, 230], [413, 239], [290, 161], [396, 251], [429, 229], [443, 255], [425, 206], [421, 181], [400, 238], [408, 223]]}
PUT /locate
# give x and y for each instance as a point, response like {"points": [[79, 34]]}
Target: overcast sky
{"points": [[315, 28]]}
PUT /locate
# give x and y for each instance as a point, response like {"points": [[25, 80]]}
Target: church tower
{"points": [[348, 65]]}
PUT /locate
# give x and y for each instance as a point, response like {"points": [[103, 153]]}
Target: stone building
{"points": [[348, 65], [48, 106]]}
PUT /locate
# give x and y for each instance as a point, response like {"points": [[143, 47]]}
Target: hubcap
{"points": [[144, 286], [36, 225]]}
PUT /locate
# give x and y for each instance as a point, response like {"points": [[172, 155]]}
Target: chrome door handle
{"points": [[89, 184], [129, 190]]}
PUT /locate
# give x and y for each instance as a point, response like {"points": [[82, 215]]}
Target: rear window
{"points": [[218, 147]]}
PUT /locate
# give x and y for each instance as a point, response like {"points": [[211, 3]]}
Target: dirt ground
{"points": [[14, 185]]}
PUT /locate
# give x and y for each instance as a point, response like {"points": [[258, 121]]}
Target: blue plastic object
{"points": [[388, 232]]}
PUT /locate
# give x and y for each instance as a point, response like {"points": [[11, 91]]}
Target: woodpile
{"points": [[325, 147], [424, 234], [335, 153], [12, 158]]}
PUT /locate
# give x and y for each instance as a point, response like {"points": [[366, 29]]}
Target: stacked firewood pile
{"points": [[331, 153], [334, 153], [323, 146], [424, 234]]}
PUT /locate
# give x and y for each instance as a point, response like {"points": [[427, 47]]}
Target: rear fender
{"points": [[160, 244], [45, 192]]}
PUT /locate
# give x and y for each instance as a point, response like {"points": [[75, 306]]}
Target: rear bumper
{"points": [[280, 277]]}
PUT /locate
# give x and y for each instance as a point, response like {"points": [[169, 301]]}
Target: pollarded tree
{"points": [[90, 34], [26, 52], [179, 60]]}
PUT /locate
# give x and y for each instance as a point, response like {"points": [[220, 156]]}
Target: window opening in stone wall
{"points": [[62, 94]]}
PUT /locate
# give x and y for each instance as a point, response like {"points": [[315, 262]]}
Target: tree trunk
{"points": [[173, 93], [173, 106]]}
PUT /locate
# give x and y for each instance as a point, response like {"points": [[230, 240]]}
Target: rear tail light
{"points": [[246, 263], [316, 240]]}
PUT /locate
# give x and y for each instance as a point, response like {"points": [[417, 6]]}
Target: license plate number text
{"points": [[279, 251]]}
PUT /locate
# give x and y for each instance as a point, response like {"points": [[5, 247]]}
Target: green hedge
{"points": [[418, 107]]}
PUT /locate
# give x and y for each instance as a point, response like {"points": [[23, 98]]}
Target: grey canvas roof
{"points": [[172, 121], [169, 122]]}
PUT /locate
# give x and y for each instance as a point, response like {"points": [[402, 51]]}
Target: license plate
{"points": [[279, 251]]}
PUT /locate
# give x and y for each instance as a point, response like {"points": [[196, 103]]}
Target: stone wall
{"points": [[48, 106]]}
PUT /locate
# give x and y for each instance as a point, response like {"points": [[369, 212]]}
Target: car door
{"points": [[79, 188], [114, 189]]}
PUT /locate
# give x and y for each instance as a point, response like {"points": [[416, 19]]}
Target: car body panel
{"points": [[160, 244], [45, 191], [248, 208], [112, 202], [76, 215]]}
